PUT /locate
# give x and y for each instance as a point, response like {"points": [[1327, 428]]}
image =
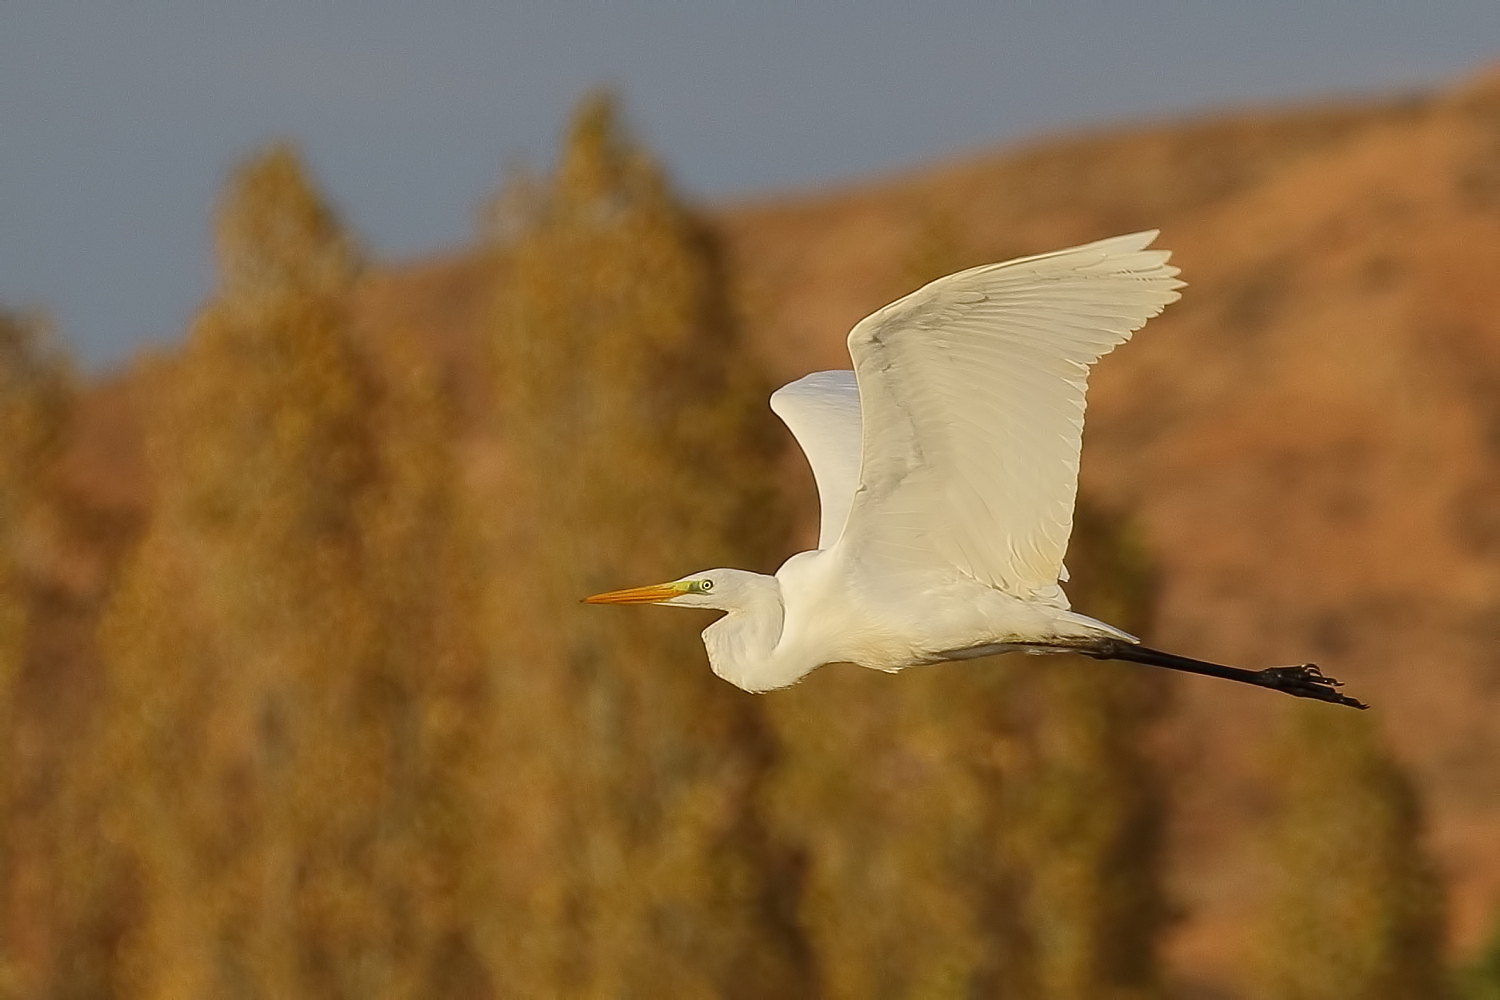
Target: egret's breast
{"points": [[837, 614]]}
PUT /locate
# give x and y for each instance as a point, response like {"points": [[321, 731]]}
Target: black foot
{"points": [[1305, 681]]}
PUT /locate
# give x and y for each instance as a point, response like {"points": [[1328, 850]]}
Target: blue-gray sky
{"points": [[119, 120]]}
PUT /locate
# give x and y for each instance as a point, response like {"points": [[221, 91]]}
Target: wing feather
{"points": [[972, 394], [822, 412]]}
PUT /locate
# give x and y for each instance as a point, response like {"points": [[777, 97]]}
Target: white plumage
{"points": [[822, 410], [947, 467]]}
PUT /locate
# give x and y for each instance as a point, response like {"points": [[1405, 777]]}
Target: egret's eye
{"points": [[704, 586]]}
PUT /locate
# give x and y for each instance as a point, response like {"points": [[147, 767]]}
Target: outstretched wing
{"points": [[822, 411], [972, 393]]}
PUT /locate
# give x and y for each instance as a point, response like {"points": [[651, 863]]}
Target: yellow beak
{"points": [[640, 595]]}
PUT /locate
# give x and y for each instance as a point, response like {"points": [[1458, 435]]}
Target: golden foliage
{"points": [[36, 396], [35, 393], [639, 449], [1357, 911], [889, 785], [1480, 980], [285, 649], [1083, 803]]}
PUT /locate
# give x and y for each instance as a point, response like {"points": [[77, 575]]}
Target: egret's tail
{"points": [[1091, 628]]}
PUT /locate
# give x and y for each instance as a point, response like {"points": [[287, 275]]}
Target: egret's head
{"points": [[712, 588]]}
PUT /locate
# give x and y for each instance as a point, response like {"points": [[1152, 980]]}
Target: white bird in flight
{"points": [[947, 466]]}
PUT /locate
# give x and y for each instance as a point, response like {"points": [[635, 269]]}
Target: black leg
{"points": [[1305, 681]]}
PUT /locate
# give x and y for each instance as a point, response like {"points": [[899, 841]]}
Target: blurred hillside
{"points": [[1309, 444]]}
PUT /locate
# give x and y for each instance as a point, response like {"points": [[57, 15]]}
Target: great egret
{"points": [[946, 465]]}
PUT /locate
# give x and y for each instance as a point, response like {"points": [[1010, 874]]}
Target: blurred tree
{"points": [[890, 786], [287, 660], [35, 398], [1481, 979], [632, 860], [1357, 911], [1083, 803], [35, 395]]}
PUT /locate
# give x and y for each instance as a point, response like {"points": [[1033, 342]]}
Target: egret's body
{"points": [[947, 466], [819, 609]]}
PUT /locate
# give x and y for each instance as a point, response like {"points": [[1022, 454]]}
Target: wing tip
{"points": [[1139, 240], [1150, 264]]}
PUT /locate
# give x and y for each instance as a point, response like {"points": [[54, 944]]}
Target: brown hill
{"points": [[1311, 438]]}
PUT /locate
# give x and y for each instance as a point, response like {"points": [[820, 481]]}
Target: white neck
{"points": [[743, 646]]}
